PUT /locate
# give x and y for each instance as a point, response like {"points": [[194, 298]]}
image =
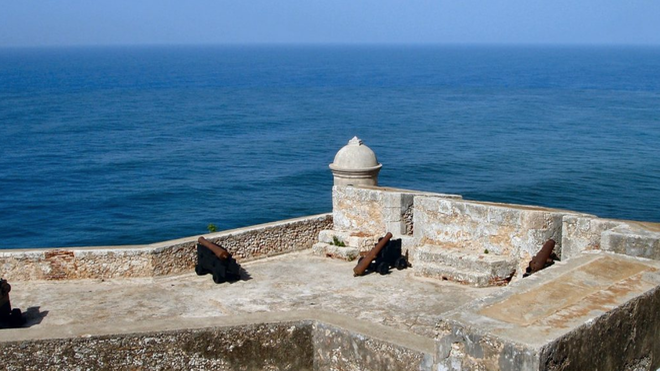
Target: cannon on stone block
{"points": [[8, 317], [215, 259], [385, 255]]}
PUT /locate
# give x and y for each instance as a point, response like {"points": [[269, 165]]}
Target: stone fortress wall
{"points": [[448, 224], [162, 258]]}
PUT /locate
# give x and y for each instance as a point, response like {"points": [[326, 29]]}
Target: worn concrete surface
{"points": [[289, 283]]}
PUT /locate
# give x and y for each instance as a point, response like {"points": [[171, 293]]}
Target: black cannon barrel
{"points": [[5, 288]]}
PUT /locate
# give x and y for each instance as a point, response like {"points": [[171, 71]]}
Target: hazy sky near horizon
{"points": [[131, 22]]}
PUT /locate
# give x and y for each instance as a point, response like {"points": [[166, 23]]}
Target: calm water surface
{"points": [[107, 146]]}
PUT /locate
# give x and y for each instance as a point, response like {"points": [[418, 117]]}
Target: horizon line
{"points": [[331, 44]]}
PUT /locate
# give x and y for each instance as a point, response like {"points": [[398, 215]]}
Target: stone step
{"points": [[494, 265], [462, 266], [361, 241], [447, 273], [336, 252]]}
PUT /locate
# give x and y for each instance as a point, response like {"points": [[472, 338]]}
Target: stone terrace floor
{"points": [[293, 283]]}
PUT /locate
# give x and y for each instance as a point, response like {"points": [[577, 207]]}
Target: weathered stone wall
{"points": [[338, 349], [448, 221], [277, 346], [633, 239], [375, 210], [585, 233], [624, 339], [161, 258], [501, 229], [462, 348], [297, 345], [58, 264], [273, 239], [597, 311]]}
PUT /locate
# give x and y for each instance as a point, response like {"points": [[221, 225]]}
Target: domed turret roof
{"points": [[355, 155]]}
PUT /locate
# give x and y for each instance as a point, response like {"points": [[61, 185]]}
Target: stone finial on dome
{"points": [[355, 141], [355, 164]]}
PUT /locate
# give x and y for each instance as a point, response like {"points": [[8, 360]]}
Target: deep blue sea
{"points": [[111, 146]]}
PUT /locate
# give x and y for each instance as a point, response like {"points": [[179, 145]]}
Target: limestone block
{"points": [[358, 209], [347, 253], [361, 241], [375, 210], [461, 266], [328, 236]]}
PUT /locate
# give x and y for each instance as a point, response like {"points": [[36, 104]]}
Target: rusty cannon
{"points": [[543, 259], [8, 317], [215, 259], [385, 255]]}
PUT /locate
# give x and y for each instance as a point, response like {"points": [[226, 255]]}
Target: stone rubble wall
{"points": [[163, 258]]}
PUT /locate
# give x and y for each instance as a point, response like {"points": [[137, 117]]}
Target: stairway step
{"points": [[448, 273], [461, 260], [336, 252]]}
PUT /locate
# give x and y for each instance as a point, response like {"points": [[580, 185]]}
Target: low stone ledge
{"points": [[161, 258]]}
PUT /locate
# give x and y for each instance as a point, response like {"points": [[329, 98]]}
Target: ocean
{"points": [[132, 145]]}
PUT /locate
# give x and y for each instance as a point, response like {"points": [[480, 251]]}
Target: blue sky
{"points": [[123, 22]]}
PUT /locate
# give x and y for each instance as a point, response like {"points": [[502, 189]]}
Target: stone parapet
{"points": [[588, 233], [583, 233], [501, 229], [483, 228], [162, 258], [361, 214], [376, 210]]}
